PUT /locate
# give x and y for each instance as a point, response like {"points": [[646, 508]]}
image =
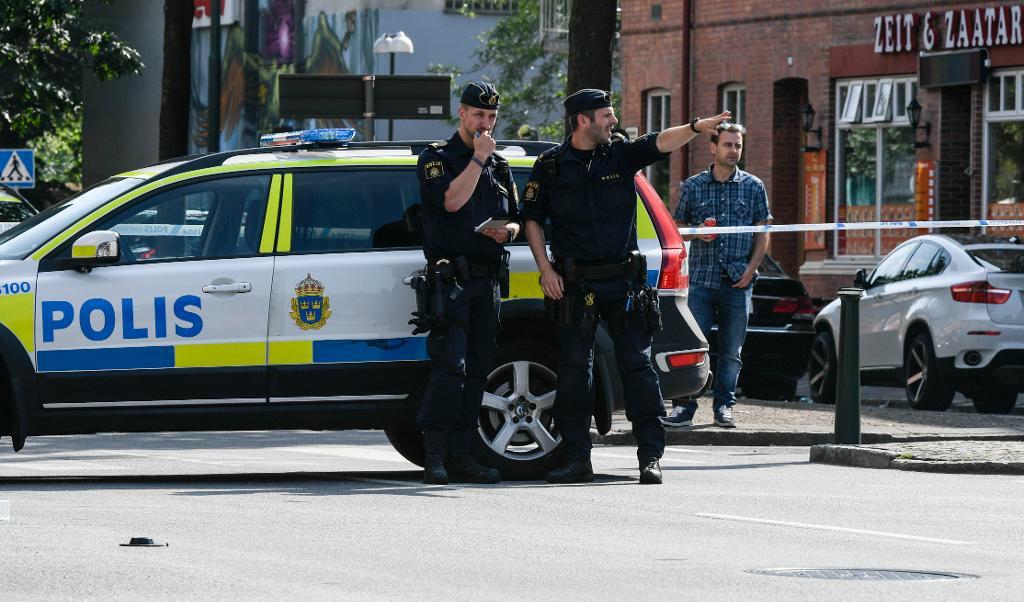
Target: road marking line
{"points": [[833, 528], [60, 465], [684, 450], [632, 456], [348, 452], [112, 452]]}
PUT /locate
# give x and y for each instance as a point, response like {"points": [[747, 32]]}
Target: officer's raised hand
{"points": [[673, 138], [483, 144]]}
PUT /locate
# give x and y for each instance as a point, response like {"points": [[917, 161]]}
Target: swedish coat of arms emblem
{"points": [[310, 307]]}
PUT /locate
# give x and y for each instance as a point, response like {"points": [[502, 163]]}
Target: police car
{"points": [[265, 289]]}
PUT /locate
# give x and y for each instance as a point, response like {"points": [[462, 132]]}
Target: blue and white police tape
{"points": [[843, 226]]}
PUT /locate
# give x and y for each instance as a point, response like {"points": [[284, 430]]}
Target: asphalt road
{"points": [[342, 516]]}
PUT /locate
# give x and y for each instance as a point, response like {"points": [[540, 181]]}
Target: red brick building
{"points": [[858, 65]]}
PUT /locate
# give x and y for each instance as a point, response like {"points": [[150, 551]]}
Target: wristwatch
{"points": [[693, 125], [511, 234]]}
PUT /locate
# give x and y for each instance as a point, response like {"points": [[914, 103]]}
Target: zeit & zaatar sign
{"points": [[950, 30]]}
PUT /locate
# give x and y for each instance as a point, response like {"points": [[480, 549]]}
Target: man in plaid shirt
{"points": [[722, 268]]}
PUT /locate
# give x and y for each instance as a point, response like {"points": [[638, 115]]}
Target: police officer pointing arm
{"points": [[585, 188], [463, 183]]}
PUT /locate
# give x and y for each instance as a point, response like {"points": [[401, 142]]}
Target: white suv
{"points": [[263, 289], [940, 314]]}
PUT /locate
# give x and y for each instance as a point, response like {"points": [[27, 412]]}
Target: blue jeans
{"points": [[731, 306]]}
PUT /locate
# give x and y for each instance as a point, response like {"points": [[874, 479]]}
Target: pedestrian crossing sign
{"points": [[18, 167]]}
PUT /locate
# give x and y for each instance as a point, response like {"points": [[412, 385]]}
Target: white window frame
{"points": [[739, 116], [850, 119], [1000, 116], [664, 97]]}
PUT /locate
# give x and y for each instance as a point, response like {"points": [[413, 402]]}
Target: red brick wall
{"points": [[652, 57]]}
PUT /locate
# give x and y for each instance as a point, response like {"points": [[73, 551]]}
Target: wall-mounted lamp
{"points": [[807, 117], [914, 115]]}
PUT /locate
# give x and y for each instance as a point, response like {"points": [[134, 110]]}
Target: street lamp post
{"points": [[392, 43]]}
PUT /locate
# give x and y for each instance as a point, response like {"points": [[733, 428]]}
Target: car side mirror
{"points": [[860, 279], [102, 247]]}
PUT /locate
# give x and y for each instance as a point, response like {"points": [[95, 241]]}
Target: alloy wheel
{"points": [[515, 419], [819, 367], [917, 369]]}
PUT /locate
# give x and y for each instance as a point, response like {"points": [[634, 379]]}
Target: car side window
{"points": [[920, 263], [939, 263], [356, 210], [890, 268], [213, 219]]}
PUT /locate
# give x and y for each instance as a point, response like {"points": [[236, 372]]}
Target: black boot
{"points": [[650, 472], [434, 472], [465, 469], [578, 471]]}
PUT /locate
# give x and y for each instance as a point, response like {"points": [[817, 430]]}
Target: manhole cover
{"points": [[861, 574]]}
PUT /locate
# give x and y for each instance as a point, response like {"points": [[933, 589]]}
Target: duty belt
{"points": [[466, 269], [632, 267]]}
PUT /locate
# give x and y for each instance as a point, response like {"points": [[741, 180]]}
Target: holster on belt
{"points": [[435, 287]]}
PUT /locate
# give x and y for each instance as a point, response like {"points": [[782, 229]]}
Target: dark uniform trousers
{"points": [[574, 402], [462, 356]]}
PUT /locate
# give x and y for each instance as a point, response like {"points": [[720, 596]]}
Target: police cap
{"points": [[586, 99], [481, 95]]}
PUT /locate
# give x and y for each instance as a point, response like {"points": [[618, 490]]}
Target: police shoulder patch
{"points": [[433, 169], [530, 194]]}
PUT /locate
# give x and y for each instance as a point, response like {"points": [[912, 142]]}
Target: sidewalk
{"points": [[891, 437]]}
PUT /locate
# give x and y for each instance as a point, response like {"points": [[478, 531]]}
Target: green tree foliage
{"points": [[531, 81], [44, 47]]}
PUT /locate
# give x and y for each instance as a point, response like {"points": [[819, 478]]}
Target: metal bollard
{"points": [[848, 378]]}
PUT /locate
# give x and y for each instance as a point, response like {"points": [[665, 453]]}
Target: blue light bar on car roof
{"points": [[322, 136]]}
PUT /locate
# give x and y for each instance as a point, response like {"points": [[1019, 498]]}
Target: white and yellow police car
{"points": [[263, 289]]}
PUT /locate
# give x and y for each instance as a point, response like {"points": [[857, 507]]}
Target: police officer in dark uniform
{"points": [[585, 188], [464, 183]]}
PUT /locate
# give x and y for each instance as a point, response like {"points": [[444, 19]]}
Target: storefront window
{"points": [[1004, 152], [876, 164]]}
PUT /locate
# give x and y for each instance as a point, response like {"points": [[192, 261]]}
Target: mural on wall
{"points": [[335, 40]]}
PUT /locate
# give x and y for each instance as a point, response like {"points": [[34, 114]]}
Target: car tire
{"points": [[409, 444], [995, 401], [924, 387], [517, 431], [821, 368], [758, 386]]}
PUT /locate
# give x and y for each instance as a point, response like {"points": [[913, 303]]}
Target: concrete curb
{"points": [[778, 438], [866, 457]]}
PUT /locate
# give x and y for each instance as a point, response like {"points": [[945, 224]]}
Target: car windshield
{"points": [[1004, 260], [29, 235], [13, 210]]}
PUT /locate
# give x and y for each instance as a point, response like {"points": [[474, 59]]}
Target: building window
{"points": [[1003, 184], [875, 162], [734, 100], [483, 7], [659, 116]]}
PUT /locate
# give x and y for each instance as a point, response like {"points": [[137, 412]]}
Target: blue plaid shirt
{"points": [[739, 201]]}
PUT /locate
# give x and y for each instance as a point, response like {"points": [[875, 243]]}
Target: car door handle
{"points": [[236, 287]]}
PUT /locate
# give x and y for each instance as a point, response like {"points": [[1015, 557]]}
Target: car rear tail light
{"points": [[979, 292], [674, 271], [682, 360], [675, 275], [798, 307]]}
